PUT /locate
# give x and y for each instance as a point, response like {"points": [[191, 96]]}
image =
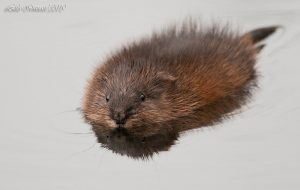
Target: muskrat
{"points": [[147, 93]]}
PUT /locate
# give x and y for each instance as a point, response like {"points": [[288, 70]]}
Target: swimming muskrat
{"points": [[147, 93]]}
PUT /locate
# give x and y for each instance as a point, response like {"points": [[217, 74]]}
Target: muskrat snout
{"points": [[120, 116]]}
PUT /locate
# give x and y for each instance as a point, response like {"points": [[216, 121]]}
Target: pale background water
{"points": [[46, 59]]}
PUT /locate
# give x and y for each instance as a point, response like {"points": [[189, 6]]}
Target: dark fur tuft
{"points": [[262, 33]]}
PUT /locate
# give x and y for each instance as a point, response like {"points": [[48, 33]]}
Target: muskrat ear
{"points": [[166, 77], [162, 82]]}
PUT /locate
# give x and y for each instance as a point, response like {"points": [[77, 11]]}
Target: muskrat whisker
{"points": [[72, 133], [78, 109], [82, 151]]}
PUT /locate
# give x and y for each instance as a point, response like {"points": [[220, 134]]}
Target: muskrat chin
{"points": [[123, 142]]}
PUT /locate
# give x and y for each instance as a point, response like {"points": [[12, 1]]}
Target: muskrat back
{"points": [[148, 92]]}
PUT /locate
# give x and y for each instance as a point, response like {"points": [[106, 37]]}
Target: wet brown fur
{"points": [[191, 77]]}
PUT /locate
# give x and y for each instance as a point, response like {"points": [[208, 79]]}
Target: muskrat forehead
{"points": [[124, 83], [128, 70], [122, 89]]}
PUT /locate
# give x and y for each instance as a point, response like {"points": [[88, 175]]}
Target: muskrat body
{"points": [[148, 92]]}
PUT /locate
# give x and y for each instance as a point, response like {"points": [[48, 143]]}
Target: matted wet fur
{"points": [[148, 92]]}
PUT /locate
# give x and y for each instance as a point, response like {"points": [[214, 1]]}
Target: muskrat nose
{"points": [[119, 118]]}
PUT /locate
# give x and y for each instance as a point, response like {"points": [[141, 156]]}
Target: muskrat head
{"points": [[128, 105]]}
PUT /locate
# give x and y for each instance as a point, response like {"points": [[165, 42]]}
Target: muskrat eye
{"points": [[142, 97], [107, 98]]}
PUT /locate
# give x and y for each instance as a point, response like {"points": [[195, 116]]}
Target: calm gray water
{"points": [[46, 59]]}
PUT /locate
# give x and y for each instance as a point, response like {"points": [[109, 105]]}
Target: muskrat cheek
{"points": [[130, 123], [100, 121], [110, 123]]}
